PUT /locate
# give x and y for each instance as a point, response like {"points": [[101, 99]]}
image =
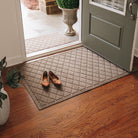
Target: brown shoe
{"points": [[45, 79], [54, 78]]}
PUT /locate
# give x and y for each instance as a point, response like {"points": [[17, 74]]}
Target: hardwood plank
{"points": [[110, 111]]}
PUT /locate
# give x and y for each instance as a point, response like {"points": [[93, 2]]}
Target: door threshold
{"points": [[53, 50]]}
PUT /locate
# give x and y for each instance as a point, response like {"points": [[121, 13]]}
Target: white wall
{"points": [[11, 39]]}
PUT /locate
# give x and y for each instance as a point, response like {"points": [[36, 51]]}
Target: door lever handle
{"points": [[131, 9]]}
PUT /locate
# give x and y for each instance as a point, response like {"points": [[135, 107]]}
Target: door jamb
{"points": [[134, 44], [21, 33], [20, 29]]}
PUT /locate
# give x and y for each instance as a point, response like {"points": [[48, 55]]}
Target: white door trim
{"points": [[135, 47], [136, 38], [44, 52], [20, 29]]}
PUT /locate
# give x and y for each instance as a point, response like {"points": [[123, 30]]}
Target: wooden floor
{"points": [[110, 111]]}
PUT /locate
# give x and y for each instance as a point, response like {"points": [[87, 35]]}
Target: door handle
{"points": [[131, 9]]}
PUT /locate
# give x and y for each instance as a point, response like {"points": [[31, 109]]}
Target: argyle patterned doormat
{"points": [[48, 41], [79, 69]]}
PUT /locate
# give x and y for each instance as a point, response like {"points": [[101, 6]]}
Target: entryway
{"points": [[45, 32], [110, 37]]}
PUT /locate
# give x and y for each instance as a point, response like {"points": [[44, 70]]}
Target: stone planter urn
{"points": [[70, 18], [69, 8], [5, 109]]}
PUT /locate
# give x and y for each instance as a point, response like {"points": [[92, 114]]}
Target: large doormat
{"points": [[79, 69], [48, 41]]}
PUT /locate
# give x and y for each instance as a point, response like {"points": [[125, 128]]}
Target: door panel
{"points": [[105, 30], [109, 33]]}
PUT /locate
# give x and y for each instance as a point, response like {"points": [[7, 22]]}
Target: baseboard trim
{"points": [[136, 52]]}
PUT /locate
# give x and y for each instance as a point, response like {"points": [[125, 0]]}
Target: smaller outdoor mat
{"points": [[48, 41], [79, 69]]}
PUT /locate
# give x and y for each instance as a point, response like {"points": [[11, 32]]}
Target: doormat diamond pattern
{"points": [[48, 41], [79, 69]]}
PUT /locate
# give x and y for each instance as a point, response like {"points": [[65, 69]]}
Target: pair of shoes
{"points": [[45, 79]]}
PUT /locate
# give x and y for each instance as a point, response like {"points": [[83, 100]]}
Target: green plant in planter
{"points": [[13, 78], [69, 9], [68, 4]]}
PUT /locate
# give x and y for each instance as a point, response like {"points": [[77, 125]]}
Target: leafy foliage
{"points": [[68, 4], [3, 65], [2, 97], [1, 84], [13, 78]]}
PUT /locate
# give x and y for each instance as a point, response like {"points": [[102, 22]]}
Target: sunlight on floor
{"points": [[37, 23]]}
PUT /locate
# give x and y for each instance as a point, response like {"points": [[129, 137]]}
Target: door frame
{"points": [[65, 47], [135, 43], [20, 29], [44, 52]]}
